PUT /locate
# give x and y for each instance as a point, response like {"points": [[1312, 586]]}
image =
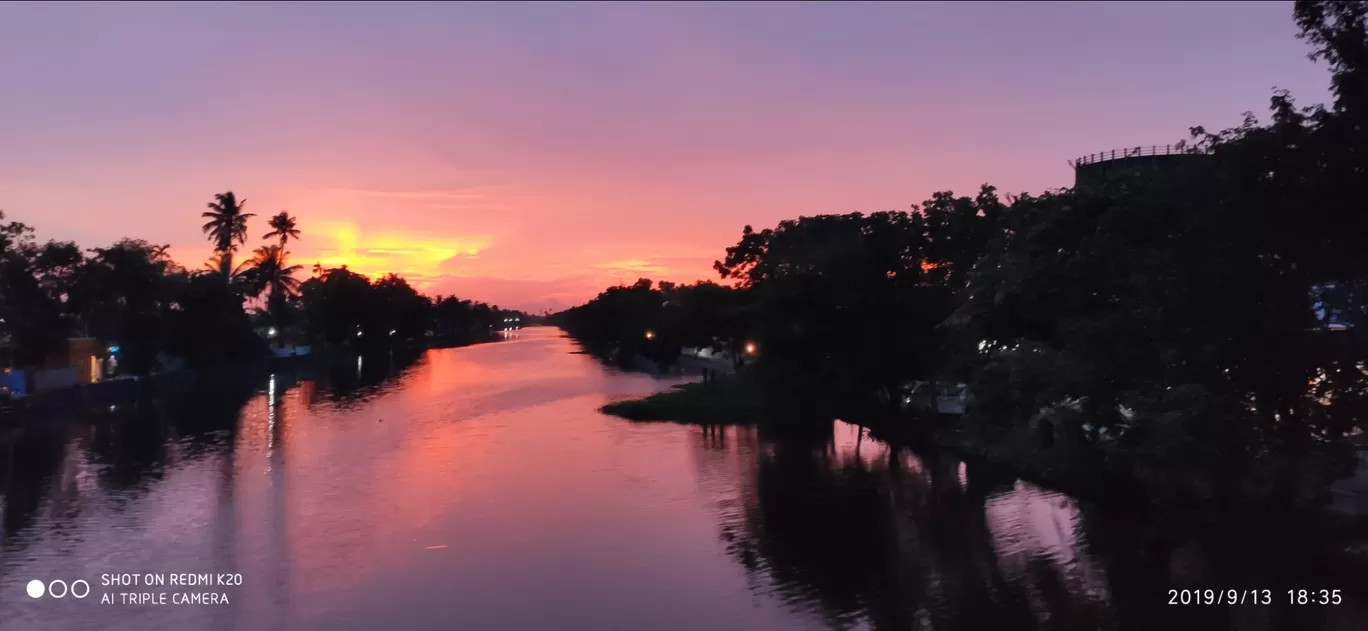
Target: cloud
{"points": [[419, 256]]}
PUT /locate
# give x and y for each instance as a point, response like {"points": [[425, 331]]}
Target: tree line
{"points": [[161, 314], [1205, 312]]}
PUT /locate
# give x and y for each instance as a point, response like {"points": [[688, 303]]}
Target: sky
{"points": [[531, 154]]}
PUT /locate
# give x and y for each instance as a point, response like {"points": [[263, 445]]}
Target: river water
{"points": [[479, 488]]}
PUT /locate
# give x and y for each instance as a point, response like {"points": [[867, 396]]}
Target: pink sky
{"points": [[531, 154]]}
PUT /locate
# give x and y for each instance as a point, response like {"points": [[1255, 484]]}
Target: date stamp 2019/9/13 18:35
{"points": [[1254, 596]]}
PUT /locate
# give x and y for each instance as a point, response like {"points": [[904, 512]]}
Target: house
{"points": [[78, 361]]}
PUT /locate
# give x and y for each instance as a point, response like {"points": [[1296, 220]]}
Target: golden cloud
{"points": [[418, 257]]}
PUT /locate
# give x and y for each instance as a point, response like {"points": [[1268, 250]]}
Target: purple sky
{"points": [[530, 154]]}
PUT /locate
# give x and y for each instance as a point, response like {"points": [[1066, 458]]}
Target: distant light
{"points": [[650, 335], [392, 331], [114, 349], [271, 332], [750, 348], [358, 334]]}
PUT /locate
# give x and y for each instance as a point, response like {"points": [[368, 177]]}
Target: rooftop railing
{"points": [[1137, 152]]}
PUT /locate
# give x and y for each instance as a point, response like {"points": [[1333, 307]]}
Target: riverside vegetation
{"points": [[1196, 329], [161, 313]]}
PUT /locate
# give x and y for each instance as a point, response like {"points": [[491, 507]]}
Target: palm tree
{"points": [[282, 227], [215, 264], [227, 227], [268, 272], [240, 280]]}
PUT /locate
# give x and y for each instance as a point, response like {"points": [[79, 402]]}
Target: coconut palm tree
{"points": [[227, 227], [268, 272], [240, 279], [282, 227], [215, 264]]}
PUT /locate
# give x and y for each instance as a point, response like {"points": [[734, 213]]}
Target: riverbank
{"points": [[1082, 470], [732, 399], [129, 392], [725, 400]]}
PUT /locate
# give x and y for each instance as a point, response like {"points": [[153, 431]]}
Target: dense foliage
{"points": [[1192, 319], [656, 320], [130, 293], [161, 315], [341, 306]]}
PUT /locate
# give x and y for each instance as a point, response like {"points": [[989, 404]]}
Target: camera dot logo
{"points": [[37, 588]]}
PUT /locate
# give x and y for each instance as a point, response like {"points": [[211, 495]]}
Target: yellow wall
{"points": [[80, 353]]}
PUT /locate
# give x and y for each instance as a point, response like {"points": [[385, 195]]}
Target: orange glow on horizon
{"points": [[420, 258]]}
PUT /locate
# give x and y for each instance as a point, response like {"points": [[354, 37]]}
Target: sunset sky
{"points": [[531, 154]]}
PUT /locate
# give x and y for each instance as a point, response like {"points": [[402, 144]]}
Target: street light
{"points": [[750, 348], [650, 335]]}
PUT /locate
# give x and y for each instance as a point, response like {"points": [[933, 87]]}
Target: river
{"points": [[479, 488]]}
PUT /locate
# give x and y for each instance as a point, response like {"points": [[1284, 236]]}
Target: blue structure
{"points": [[1332, 318], [12, 384]]}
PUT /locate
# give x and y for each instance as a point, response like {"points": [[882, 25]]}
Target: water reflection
{"points": [[478, 488], [134, 449], [860, 535], [168, 475]]}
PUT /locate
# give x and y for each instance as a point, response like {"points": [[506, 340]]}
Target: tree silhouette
{"points": [[1338, 30], [30, 323], [282, 227], [133, 295], [226, 228], [123, 292], [846, 308], [269, 272]]}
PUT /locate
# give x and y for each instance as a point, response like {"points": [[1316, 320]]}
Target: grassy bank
{"points": [[731, 399]]}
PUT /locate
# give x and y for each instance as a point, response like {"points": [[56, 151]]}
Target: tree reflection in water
{"points": [[56, 465], [862, 535]]}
